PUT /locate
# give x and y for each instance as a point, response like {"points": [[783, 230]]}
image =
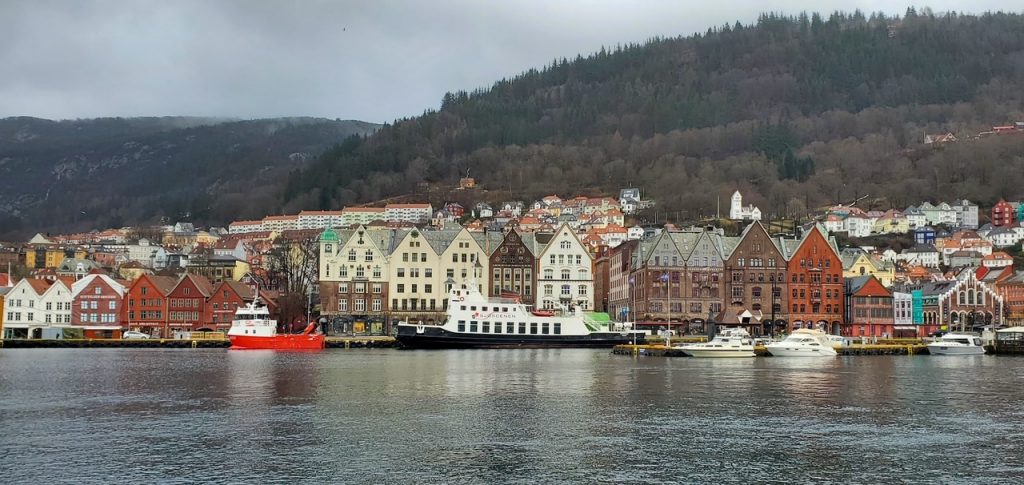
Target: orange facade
{"points": [[815, 284]]}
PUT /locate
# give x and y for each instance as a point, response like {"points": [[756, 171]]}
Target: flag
{"points": [[632, 280], [663, 277]]}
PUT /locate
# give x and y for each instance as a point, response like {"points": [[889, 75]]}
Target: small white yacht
{"points": [[731, 342], [957, 344], [803, 342]]}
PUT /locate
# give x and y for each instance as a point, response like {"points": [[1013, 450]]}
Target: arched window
{"points": [[981, 298], [549, 274], [582, 274], [960, 298], [970, 297]]}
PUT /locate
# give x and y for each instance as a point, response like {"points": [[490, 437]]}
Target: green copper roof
{"points": [[329, 235]]}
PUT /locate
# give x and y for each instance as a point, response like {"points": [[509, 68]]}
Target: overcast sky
{"points": [[373, 60]]}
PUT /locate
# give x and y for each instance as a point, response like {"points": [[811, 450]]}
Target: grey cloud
{"points": [[375, 61]]}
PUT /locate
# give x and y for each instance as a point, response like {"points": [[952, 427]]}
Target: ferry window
{"points": [[486, 327], [522, 327], [483, 309], [504, 309], [497, 327], [558, 328], [462, 307], [533, 328], [510, 327], [462, 325], [545, 328], [472, 308], [472, 326]]}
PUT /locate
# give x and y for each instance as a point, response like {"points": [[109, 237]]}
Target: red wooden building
{"points": [[146, 310], [186, 306], [96, 302], [869, 308], [815, 282], [1002, 213]]}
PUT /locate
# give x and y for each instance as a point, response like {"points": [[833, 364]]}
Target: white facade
{"points": [[144, 252], [966, 214], [916, 218], [415, 276], [635, 232], [362, 215], [413, 213], [483, 211], [902, 308], [464, 259], [1003, 237], [242, 227], [939, 214], [320, 219], [565, 272], [859, 226], [280, 223], [928, 259], [738, 212], [27, 308]]}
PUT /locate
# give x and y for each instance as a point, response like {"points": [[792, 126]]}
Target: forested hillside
{"points": [[795, 112], [92, 174]]}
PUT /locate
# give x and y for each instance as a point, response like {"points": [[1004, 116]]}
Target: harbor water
{"points": [[504, 416]]}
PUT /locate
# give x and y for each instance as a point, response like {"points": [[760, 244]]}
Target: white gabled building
{"points": [[738, 212], [33, 306], [565, 272]]}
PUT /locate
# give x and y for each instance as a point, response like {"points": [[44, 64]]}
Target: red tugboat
{"points": [[253, 328]]}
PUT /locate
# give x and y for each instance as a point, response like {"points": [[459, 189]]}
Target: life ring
{"points": [[462, 298]]}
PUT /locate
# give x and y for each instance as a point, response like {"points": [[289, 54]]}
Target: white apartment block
{"points": [[242, 227], [413, 213], [363, 215], [321, 219], [280, 223], [565, 272]]}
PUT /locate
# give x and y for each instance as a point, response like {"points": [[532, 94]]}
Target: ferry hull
{"points": [[278, 342], [439, 338]]}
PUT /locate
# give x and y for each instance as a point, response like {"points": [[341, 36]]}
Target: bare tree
{"points": [[293, 264]]}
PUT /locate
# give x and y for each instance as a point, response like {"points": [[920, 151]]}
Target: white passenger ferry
{"points": [[474, 320]]}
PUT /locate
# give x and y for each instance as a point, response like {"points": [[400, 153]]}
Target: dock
{"points": [[153, 343], [761, 351], [370, 342]]}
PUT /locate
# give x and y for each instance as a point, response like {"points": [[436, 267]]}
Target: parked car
{"points": [[131, 334]]}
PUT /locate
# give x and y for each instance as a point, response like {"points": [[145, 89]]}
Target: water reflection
{"points": [[555, 415]]}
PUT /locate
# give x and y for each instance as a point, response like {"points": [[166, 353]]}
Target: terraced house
{"points": [[757, 289], [566, 272], [354, 279]]}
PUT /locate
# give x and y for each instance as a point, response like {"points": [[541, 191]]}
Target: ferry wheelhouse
{"points": [[474, 320]]}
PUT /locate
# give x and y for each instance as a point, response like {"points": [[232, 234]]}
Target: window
{"points": [[428, 288], [462, 325], [352, 255], [413, 289], [401, 288], [97, 291], [428, 273], [376, 272], [565, 274], [112, 304], [533, 328], [566, 290], [549, 274], [522, 327], [472, 326], [545, 328], [377, 288], [369, 255], [85, 304], [582, 290], [486, 327], [558, 328], [360, 305]]}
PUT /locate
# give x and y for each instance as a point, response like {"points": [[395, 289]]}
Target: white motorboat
{"points": [[732, 342], [957, 344], [803, 343]]}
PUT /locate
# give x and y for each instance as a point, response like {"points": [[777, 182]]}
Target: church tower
{"points": [[736, 208]]}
